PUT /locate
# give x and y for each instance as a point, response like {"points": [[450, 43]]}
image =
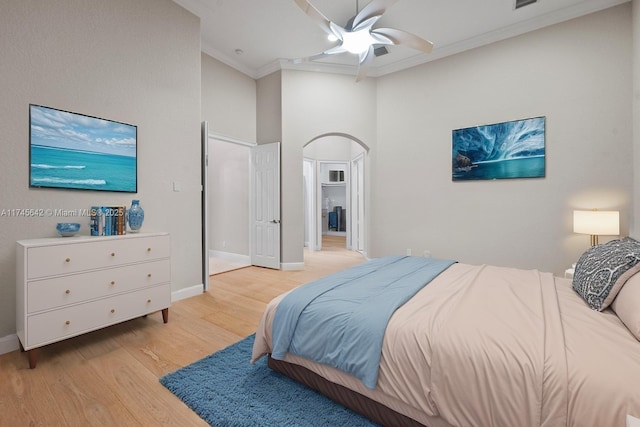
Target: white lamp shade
{"points": [[597, 223]]}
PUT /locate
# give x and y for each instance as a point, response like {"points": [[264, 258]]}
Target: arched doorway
{"points": [[334, 187]]}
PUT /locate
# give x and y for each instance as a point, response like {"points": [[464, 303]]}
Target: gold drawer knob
{"points": [[113, 282], [148, 249], [67, 323], [149, 275], [113, 254], [67, 260], [148, 301], [113, 310], [68, 291]]}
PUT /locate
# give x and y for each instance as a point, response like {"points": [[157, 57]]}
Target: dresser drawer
{"points": [[52, 326], [46, 294], [43, 261]]}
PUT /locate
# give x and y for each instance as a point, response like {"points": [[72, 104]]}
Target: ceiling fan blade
{"points": [[404, 38], [365, 62], [327, 53], [374, 8], [367, 23], [297, 61], [334, 50], [315, 15]]}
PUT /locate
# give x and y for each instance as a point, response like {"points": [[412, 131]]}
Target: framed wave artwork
{"points": [[514, 149], [76, 151]]}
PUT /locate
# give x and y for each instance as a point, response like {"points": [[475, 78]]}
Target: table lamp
{"points": [[596, 223]]}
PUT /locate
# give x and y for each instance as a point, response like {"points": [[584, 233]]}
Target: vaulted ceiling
{"points": [[258, 37]]}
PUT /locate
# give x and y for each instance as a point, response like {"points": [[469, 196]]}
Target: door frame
{"points": [[357, 176], [206, 136], [204, 168], [309, 172], [319, 202]]}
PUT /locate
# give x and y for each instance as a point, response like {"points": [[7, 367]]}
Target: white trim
{"points": [[204, 170], [187, 292], [227, 60], [289, 266], [9, 343], [225, 138], [229, 256]]}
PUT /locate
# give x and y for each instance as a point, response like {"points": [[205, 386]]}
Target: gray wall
{"points": [[135, 62], [578, 75], [229, 105], [269, 108], [228, 100], [315, 104]]}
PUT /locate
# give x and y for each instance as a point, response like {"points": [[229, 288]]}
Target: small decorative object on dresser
{"points": [[66, 287], [135, 216], [67, 229]]}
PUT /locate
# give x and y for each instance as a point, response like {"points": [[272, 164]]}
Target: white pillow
{"points": [[627, 305]]}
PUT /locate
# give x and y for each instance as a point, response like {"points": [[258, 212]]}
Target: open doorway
{"points": [[334, 182], [241, 204], [226, 205]]}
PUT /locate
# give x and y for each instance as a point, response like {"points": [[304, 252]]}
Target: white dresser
{"points": [[68, 286]]}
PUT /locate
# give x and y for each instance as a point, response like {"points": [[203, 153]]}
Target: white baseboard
{"points": [[9, 343], [187, 292], [288, 266], [229, 256]]}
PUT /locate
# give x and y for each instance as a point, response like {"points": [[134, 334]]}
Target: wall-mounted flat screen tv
{"points": [[76, 151], [514, 149]]}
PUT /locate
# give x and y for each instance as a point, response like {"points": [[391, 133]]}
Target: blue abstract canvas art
{"points": [[514, 149], [70, 150]]}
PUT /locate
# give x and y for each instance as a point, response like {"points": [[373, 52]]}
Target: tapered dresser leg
{"points": [[32, 355], [165, 315]]}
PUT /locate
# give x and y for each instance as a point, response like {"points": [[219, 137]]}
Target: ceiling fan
{"points": [[359, 37]]}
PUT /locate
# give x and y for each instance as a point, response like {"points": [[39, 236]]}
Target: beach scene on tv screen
{"points": [[70, 150]]}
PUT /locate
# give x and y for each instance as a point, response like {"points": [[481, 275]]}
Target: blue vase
{"points": [[135, 216]]}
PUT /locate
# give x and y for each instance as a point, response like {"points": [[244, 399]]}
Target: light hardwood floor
{"points": [[110, 377]]}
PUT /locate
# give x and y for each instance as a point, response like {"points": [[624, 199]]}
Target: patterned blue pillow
{"points": [[603, 269]]}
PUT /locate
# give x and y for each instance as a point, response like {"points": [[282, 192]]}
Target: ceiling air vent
{"points": [[380, 50], [523, 3]]}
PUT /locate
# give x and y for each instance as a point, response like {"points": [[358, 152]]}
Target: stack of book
{"points": [[108, 220]]}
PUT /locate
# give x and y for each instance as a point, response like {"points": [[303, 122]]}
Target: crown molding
{"points": [[228, 60]]}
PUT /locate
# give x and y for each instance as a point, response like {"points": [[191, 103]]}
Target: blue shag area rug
{"points": [[226, 390]]}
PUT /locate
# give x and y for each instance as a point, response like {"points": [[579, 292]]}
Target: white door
{"points": [[265, 205]]}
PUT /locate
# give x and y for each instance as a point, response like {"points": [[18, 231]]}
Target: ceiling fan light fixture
{"points": [[359, 37], [357, 42]]}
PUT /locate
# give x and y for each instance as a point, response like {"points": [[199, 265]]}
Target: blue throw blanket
{"points": [[340, 320]]}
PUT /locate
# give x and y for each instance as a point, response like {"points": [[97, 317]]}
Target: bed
{"points": [[493, 346]]}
